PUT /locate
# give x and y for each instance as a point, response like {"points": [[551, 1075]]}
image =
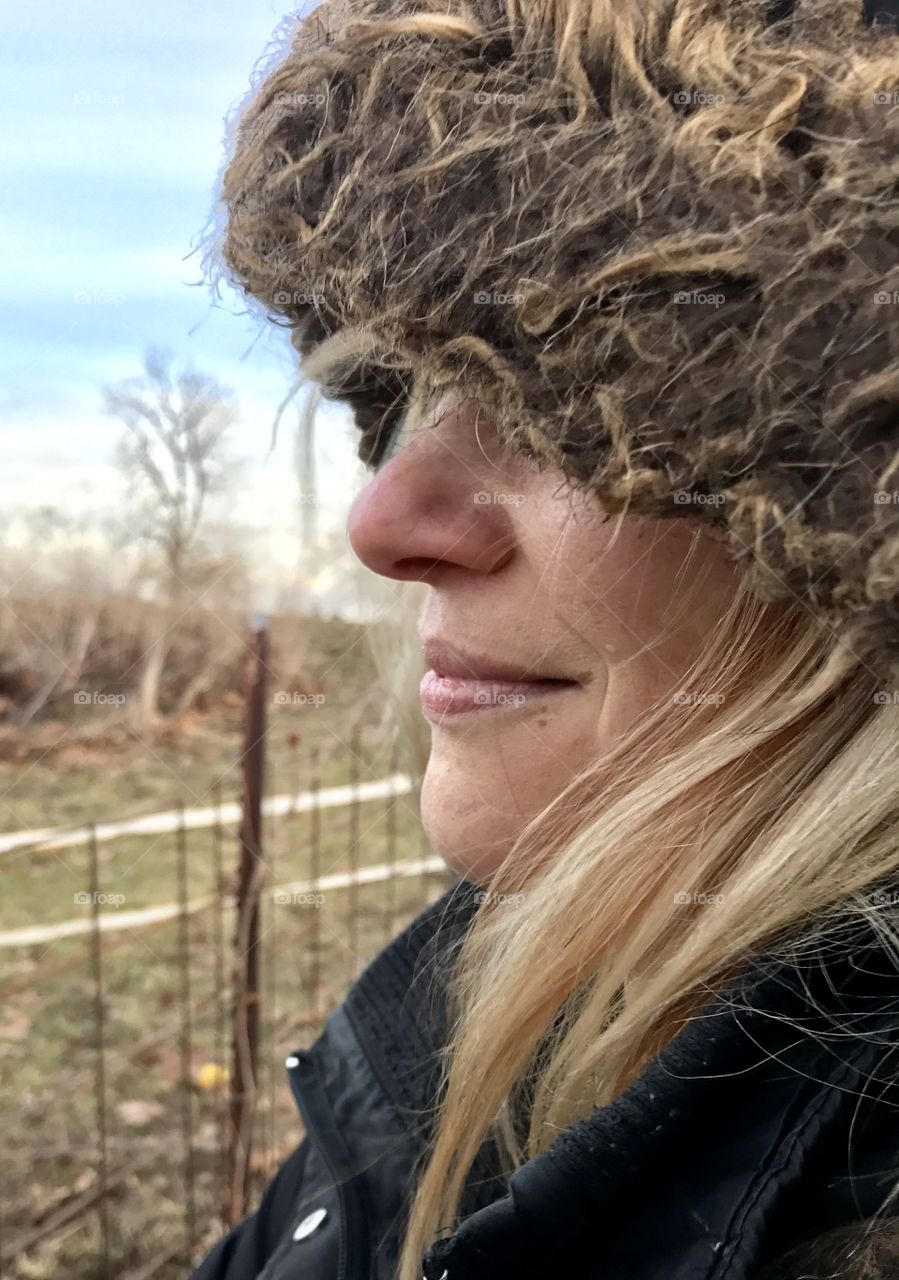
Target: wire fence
{"points": [[147, 1015]]}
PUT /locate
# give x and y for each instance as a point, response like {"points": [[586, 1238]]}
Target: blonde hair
{"points": [[773, 791], [777, 751]]}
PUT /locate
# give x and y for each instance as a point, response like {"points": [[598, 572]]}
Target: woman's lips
{"points": [[443, 696]]}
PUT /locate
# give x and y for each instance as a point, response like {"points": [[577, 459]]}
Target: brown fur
{"points": [[850, 1253], [680, 146]]}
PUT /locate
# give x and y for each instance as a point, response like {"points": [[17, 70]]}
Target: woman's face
{"points": [[547, 628]]}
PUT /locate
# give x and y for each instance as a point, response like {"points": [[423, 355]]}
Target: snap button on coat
{"points": [[787, 1142], [310, 1223]]}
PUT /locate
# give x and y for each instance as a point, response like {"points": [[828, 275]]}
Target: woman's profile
{"points": [[611, 289]]}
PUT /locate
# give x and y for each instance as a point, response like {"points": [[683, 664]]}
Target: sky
{"points": [[113, 118]]}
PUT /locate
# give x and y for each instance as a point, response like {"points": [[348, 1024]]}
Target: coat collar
{"points": [[397, 1008], [755, 1093]]}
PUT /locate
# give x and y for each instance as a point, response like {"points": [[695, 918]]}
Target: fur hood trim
{"points": [[657, 239]]}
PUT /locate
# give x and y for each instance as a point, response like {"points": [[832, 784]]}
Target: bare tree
{"points": [[175, 457], [51, 643]]}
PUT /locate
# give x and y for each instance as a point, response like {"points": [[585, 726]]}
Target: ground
{"points": [[166, 1023]]}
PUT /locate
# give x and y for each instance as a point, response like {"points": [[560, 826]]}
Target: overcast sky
{"points": [[113, 120]]}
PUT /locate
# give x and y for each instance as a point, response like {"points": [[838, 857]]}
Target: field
{"points": [[117, 1104]]}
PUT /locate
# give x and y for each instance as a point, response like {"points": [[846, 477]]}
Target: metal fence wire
{"points": [[144, 1098]]}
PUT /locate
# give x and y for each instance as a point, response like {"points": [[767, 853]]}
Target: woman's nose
{"points": [[430, 512]]}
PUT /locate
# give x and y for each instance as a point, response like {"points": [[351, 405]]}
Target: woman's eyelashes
{"points": [[381, 448], [395, 436], [386, 451]]}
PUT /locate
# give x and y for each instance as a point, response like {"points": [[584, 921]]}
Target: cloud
{"points": [[114, 123]]}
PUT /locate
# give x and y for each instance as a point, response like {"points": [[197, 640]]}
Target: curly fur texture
{"points": [[657, 239], [849, 1253]]}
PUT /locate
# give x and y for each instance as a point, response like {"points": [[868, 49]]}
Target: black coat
{"points": [[729, 1153]]}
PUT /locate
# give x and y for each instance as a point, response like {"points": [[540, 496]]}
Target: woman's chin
{"points": [[471, 833], [478, 792]]}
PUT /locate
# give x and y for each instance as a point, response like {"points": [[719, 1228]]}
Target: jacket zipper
{"points": [[354, 1258]]}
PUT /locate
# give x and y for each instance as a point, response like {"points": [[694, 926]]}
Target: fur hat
{"points": [[853, 1252], [657, 239]]}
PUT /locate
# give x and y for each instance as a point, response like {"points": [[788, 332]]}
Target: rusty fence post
{"points": [[185, 1035], [245, 1040], [315, 840], [390, 836], [104, 1270], [220, 896], [270, 959], [353, 890]]}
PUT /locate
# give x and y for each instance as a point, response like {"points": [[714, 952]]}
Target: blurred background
{"points": [[194, 745]]}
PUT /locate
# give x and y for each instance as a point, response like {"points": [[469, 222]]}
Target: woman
{"points": [[610, 290]]}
